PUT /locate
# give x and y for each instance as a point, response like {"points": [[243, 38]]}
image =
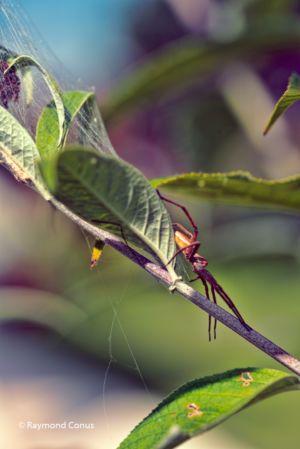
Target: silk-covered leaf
{"points": [[238, 187], [204, 403], [48, 128], [289, 97], [109, 192], [23, 62], [19, 153]]}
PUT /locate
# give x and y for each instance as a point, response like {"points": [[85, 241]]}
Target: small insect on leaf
{"points": [[246, 378], [97, 252], [195, 410]]}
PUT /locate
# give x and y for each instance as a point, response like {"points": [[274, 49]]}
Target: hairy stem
{"points": [[192, 295]]}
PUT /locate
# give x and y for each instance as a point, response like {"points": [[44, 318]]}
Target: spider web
{"points": [[116, 322], [19, 36]]}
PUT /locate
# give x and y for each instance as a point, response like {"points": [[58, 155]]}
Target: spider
{"points": [[189, 245]]}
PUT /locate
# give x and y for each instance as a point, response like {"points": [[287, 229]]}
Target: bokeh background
{"points": [[103, 346]]}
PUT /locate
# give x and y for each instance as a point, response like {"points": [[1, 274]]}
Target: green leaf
{"points": [[238, 187], [19, 153], [101, 188], [185, 62], [22, 62], [290, 96], [48, 130], [204, 403]]}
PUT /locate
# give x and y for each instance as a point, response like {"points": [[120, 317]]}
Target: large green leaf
{"points": [[236, 188], [48, 131], [18, 152], [289, 97], [101, 188], [204, 403], [22, 62], [186, 61]]}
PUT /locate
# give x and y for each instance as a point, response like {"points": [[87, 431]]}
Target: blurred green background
{"points": [[118, 317]]}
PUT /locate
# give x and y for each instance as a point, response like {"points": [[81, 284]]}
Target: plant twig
{"points": [[256, 339]]}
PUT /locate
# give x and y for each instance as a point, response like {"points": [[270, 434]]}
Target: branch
{"points": [[192, 295]]}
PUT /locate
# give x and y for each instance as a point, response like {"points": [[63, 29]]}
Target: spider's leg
{"points": [[114, 224], [194, 244], [196, 279], [208, 297], [184, 210], [215, 301], [217, 287], [195, 250], [226, 298]]}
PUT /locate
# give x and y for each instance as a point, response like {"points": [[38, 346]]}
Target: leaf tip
{"points": [[265, 131]]}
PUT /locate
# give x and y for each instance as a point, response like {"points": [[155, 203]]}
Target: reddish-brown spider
{"points": [[189, 245]]}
